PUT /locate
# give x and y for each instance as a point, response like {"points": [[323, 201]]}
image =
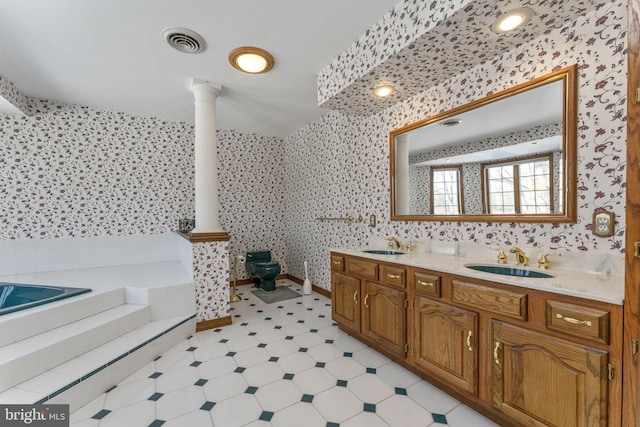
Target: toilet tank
{"points": [[257, 256]]}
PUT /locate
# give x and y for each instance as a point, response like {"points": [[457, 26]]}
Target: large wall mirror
{"points": [[509, 157]]}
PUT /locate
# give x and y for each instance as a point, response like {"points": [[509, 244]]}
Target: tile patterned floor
{"points": [[283, 364]]}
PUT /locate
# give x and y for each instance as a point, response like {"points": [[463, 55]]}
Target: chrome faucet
{"points": [[394, 243], [521, 258]]}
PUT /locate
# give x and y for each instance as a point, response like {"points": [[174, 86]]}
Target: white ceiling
{"points": [[110, 54]]}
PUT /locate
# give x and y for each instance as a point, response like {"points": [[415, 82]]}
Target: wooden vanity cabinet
{"points": [[520, 356], [546, 381], [384, 317], [369, 301], [345, 306], [444, 342]]}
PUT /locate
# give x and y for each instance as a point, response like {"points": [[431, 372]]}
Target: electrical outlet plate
{"points": [[603, 223]]}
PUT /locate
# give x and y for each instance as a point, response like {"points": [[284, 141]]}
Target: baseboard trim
{"points": [[318, 289], [213, 323]]}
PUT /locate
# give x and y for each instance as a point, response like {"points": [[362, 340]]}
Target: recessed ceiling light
{"points": [[383, 91], [511, 20], [252, 60]]}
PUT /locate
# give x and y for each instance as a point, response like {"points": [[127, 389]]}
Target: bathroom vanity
{"points": [[522, 351]]}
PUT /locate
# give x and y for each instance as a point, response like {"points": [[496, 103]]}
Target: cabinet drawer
{"points": [[362, 268], [499, 301], [337, 263], [395, 276], [427, 284], [579, 321]]}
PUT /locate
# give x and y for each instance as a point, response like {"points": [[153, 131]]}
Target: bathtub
{"points": [[18, 296]]}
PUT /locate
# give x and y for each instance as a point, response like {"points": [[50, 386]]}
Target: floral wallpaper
{"points": [[71, 171], [420, 44], [340, 163], [211, 279], [252, 195]]}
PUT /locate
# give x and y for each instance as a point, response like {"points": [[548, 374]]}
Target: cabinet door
{"points": [[545, 381], [384, 317], [445, 342], [345, 306]]}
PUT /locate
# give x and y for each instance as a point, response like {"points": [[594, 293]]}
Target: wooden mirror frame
{"points": [[568, 76]]}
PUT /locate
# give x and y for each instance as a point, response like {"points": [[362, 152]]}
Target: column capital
{"points": [[199, 85]]}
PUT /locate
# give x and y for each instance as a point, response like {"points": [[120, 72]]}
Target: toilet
{"points": [[260, 264]]}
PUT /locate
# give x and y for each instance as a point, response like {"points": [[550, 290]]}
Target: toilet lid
{"points": [[267, 264]]}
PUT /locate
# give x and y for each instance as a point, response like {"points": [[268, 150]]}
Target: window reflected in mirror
{"points": [[446, 191]]}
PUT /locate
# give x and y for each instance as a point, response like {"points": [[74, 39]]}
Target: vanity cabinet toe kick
{"points": [[519, 356]]}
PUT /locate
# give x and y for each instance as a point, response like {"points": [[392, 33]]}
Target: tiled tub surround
{"points": [[71, 350], [340, 163], [23, 256]]}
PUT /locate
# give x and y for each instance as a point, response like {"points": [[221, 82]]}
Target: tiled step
{"points": [[27, 358], [24, 324], [81, 379]]}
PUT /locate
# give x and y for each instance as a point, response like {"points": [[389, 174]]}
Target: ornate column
{"points": [[209, 243], [206, 157]]}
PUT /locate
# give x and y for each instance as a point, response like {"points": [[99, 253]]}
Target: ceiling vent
{"points": [[184, 40]]}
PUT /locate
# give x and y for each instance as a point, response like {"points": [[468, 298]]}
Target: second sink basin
{"points": [[509, 271], [383, 252]]}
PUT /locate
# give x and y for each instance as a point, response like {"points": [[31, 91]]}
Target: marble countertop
{"points": [[590, 285]]}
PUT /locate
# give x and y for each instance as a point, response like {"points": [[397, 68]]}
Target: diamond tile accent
{"points": [[262, 345], [157, 423], [371, 370], [341, 383], [320, 365], [300, 321], [439, 418], [196, 363], [101, 414], [155, 396], [277, 327], [288, 337], [313, 331], [401, 391], [207, 406], [231, 354], [224, 340], [288, 376], [266, 416], [200, 382], [244, 324], [333, 424], [369, 407], [252, 334], [273, 359], [239, 370], [303, 350], [192, 348], [251, 390], [308, 398], [328, 341], [348, 354]]}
